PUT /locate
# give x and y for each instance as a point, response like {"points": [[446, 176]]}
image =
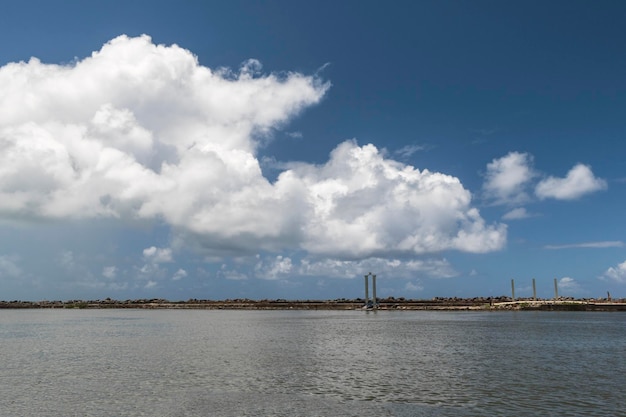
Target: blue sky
{"points": [[282, 149]]}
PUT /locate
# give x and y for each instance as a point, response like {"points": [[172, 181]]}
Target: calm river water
{"points": [[298, 363]]}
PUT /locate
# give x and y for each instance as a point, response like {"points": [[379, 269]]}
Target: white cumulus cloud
{"points": [[158, 255], [143, 131], [362, 204], [137, 130], [180, 274], [616, 273], [579, 181], [507, 177], [568, 284], [274, 269]]}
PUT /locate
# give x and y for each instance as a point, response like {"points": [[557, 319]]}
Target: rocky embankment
{"points": [[391, 303]]}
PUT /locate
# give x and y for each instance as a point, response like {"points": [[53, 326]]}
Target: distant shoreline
{"points": [[435, 304]]}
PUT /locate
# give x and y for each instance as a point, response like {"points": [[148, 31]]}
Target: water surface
{"points": [[321, 363]]}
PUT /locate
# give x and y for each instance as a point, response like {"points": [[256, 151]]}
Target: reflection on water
{"points": [[295, 363]]}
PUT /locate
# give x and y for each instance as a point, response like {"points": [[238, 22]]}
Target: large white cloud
{"points": [[139, 130], [579, 181], [131, 126], [362, 204]]}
